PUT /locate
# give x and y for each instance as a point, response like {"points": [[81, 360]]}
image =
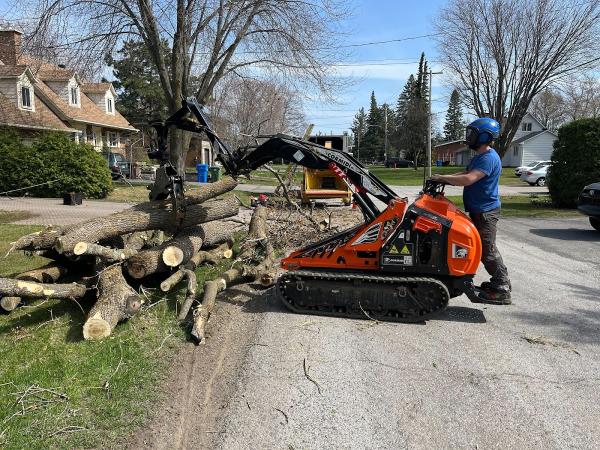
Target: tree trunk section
{"points": [[187, 243], [117, 301], [209, 257], [31, 289], [50, 273], [256, 239], [104, 253], [182, 246], [9, 304], [152, 216]]}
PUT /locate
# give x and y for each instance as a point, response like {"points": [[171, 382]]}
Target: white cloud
{"points": [[397, 72]]}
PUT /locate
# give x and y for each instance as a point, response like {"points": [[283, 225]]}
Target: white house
{"points": [[533, 142]]}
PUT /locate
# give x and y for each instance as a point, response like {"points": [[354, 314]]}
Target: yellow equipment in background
{"points": [[324, 184]]}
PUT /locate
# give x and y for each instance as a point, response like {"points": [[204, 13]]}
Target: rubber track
{"points": [[385, 281]]}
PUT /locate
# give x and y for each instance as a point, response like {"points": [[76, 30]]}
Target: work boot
{"points": [[494, 296], [488, 285]]}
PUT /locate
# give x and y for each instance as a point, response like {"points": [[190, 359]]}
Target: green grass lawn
{"points": [[13, 216], [525, 206], [89, 394], [394, 177]]}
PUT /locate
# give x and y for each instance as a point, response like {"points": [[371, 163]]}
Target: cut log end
{"points": [[9, 304], [137, 271], [96, 328], [132, 305], [173, 256], [80, 248], [267, 279], [227, 254]]}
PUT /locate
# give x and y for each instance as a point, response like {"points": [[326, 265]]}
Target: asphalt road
{"points": [[468, 379]]}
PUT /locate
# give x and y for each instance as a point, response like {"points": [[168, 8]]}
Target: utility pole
{"points": [[385, 132], [429, 124]]}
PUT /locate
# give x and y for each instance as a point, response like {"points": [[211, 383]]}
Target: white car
{"points": [[537, 174], [530, 165]]}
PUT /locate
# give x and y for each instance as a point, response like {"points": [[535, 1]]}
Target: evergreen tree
{"points": [[372, 146], [388, 121], [141, 96], [359, 128], [454, 128], [412, 114]]}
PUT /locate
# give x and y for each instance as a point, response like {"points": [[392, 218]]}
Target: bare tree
{"points": [[549, 107], [581, 97], [243, 108], [210, 39], [501, 53]]}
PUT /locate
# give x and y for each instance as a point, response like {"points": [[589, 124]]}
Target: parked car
{"points": [[118, 165], [589, 204], [537, 174], [530, 165], [398, 162]]}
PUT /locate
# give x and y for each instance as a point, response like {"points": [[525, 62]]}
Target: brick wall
{"points": [[10, 46]]}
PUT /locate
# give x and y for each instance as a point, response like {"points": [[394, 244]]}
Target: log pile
{"points": [[101, 260], [103, 263]]}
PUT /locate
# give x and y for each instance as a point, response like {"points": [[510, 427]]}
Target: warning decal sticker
{"points": [[399, 254]]}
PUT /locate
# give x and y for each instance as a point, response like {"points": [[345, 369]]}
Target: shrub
{"points": [[76, 167], [575, 161]]}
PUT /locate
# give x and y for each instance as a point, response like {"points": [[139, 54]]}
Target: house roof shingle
{"points": [[46, 71], [12, 71], [88, 112], [96, 88], [43, 118], [52, 112], [528, 136]]}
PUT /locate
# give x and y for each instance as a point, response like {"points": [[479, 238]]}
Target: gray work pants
{"points": [[486, 223]]}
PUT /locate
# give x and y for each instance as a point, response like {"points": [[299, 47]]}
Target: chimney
{"points": [[10, 46]]}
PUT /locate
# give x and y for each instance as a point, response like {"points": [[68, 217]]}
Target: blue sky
{"points": [[383, 68], [379, 21]]}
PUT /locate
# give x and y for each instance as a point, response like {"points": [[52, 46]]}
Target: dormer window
{"points": [[526, 126], [74, 97], [109, 105], [26, 100]]}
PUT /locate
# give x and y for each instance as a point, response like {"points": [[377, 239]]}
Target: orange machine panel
{"points": [[360, 250], [464, 243]]}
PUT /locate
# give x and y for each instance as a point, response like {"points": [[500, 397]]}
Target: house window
{"points": [[109, 105], [74, 96], [526, 126], [516, 151], [26, 97], [94, 139], [113, 139]]}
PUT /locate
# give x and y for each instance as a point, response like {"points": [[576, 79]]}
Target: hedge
{"points": [[575, 161], [76, 167]]}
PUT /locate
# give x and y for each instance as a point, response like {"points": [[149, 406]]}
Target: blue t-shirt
{"points": [[483, 196]]}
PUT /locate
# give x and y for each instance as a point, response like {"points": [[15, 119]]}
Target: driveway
{"points": [[51, 211], [519, 376]]}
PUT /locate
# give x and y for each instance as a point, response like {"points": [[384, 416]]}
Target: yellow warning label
{"points": [[405, 250], [393, 250]]}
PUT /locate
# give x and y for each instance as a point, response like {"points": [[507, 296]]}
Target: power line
{"points": [[338, 47], [359, 64]]}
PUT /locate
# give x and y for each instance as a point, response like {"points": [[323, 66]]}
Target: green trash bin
{"points": [[215, 173]]}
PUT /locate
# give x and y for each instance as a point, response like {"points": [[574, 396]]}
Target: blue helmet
{"points": [[482, 131]]}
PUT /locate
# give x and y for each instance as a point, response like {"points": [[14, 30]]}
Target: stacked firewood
{"points": [[109, 258]]}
